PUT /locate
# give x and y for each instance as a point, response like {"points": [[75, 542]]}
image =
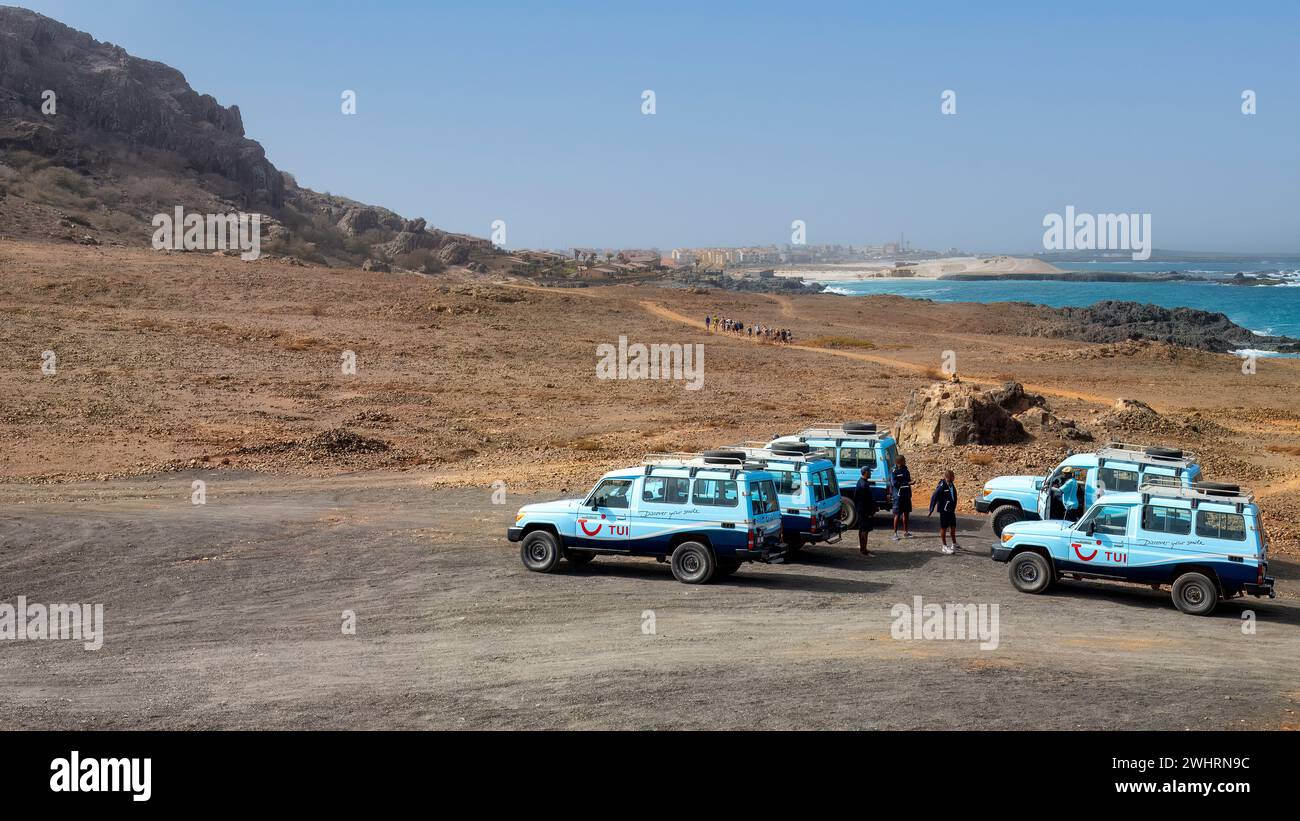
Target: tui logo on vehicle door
{"points": [[1078, 551], [1112, 556], [613, 531]]}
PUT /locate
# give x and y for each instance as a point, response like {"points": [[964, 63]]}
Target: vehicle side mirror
{"points": [[1038, 484]]}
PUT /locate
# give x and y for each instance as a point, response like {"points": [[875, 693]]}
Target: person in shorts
{"points": [[901, 494], [944, 499], [864, 501]]}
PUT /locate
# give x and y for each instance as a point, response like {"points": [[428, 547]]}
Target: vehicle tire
{"points": [[1030, 573], [792, 447], [723, 455], [693, 563], [858, 427], [848, 514], [1195, 594], [726, 567], [1004, 516], [1165, 453], [579, 558], [540, 551], [1220, 488]]}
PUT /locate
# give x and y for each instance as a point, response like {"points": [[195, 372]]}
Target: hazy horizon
{"points": [[832, 115]]}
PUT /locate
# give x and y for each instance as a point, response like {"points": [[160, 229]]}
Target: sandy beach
{"points": [[925, 269]]}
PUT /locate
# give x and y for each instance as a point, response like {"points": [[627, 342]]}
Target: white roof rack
{"points": [[760, 452], [1167, 487], [1138, 453], [835, 430]]}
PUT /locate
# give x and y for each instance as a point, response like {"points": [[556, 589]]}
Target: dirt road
{"points": [[229, 615]]}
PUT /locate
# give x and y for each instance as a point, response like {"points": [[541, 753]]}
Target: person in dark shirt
{"points": [[901, 493], [864, 501], [944, 499]]}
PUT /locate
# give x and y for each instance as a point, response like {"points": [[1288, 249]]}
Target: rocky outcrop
{"points": [[137, 140], [1117, 321], [105, 98], [954, 413]]}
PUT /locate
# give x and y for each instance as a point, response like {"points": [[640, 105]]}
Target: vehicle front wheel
{"points": [[1004, 516], [1195, 594], [1030, 573], [693, 563], [540, 551], [848, 514], [579, 558]]}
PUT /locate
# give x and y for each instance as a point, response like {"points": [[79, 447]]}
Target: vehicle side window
{"points": [[1109, 519], [666, 490], [611, 493], [857, 457], [1118, 480], [832, 484], [821, 491], [787, 483], [1161, 519], [1219, 525], [716, 492], [763, 498]]}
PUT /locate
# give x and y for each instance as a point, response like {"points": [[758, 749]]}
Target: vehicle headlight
{"points": [[519, 516], [1006, 537]]}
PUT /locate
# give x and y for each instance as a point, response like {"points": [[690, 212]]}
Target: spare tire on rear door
{"points": [[1164, 453], [723, 456], [859, 427]]}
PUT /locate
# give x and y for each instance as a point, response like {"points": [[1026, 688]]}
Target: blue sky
{"points": [[766, 112]]}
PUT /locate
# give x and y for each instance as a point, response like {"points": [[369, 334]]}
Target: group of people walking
{"points": [[899, 496], [724, 325]]}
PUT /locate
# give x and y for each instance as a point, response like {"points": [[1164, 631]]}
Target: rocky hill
{"points": [[94, 142]]}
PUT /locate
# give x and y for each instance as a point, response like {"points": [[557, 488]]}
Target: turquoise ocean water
{"points": [[1273, 309]]}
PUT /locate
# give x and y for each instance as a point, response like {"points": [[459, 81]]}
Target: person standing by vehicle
{"points": [[901, 492], [1070, 496], [945, 499], [865, 503]]}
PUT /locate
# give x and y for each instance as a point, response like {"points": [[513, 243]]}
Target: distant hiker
{"points": [[1070, 496], [944, 499], [865, 503], [707, 320], [900, 487]]}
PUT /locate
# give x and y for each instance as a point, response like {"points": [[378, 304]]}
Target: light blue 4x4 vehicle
{"points": [[805, 485], [704, 514], [1118, 467], [1206, 541], [852, 446]]}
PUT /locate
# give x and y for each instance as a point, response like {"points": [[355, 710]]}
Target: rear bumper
{"points": [[1265, 589], [764, 555], [999, 553], [514, 534], [830, 534]]}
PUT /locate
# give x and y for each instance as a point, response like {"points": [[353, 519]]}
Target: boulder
{"points": [[376, 265], [454, 253], [356, 221], [960, 414]]}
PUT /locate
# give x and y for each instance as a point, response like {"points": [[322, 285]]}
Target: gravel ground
{"points": [[229, 615]]}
